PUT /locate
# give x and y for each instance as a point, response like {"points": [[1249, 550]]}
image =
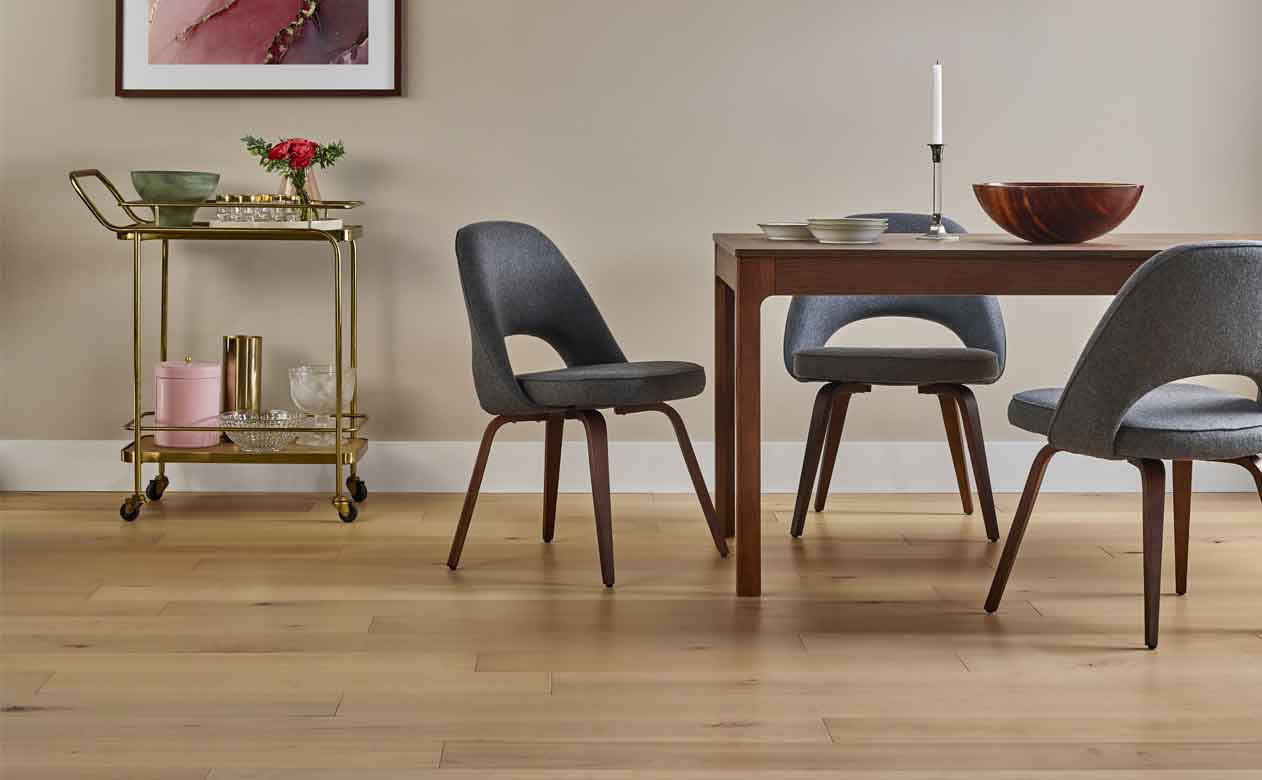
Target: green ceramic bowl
{"points": [[177, 187]]}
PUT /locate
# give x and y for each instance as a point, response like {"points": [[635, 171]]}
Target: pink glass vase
{"points": [[310, 191]]}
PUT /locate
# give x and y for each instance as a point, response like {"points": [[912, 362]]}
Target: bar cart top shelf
{"points": [[150, 231]]}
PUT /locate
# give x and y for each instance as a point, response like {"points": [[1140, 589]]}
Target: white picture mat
{"points": [[378, 73]]}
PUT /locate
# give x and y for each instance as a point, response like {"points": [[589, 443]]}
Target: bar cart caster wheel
{"points": [[130, 509], [358, 490], [345, 509], [157, 486]]}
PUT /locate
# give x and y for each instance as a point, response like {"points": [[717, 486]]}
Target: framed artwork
{"points": [[242, 48]]}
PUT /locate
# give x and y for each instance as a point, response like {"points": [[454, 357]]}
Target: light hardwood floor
{"points": [[237, 637]]}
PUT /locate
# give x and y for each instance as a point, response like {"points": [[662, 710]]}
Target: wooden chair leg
{"points": [[972, 420], [598, 463], [951, 423], [551, 472], [694, 470], [1250, 464], [1022, 519], [475, 484], [1182, 522], [832, 440], [810, 461], [1153, 474]]}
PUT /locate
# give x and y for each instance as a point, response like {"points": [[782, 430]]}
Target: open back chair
{"points": [[1189, 311], [516, 282]]}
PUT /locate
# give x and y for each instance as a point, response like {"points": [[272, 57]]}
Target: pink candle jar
{"points": [[186, 392]]}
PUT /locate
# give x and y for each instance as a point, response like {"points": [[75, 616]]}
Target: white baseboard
{"points": [[635, 467]]}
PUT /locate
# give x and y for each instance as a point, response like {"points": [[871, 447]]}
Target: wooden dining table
{"points": [[749, 268]]}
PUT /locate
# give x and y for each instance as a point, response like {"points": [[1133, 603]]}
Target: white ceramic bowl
{"points": [[844, 232], [786, 230]]}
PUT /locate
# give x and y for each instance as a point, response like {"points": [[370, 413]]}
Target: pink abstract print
{"points": [[258, 32]]}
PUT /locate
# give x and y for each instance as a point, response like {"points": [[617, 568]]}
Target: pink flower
{"points": [[301, 152], [280, 151]]}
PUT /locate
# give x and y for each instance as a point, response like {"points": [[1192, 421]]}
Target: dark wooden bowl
{"points": [[1057, 212]]}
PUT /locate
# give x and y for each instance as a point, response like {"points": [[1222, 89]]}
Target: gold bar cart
{"points": [[349, 447]]}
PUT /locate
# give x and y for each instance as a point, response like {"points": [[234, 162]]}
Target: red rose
{"points": [[301, 153], [279, 152]]}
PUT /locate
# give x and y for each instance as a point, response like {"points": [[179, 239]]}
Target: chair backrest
{"points": [[975, 319], [1191, 310], [516, 282]]}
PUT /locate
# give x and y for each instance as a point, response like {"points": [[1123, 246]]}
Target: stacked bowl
{"points": [[847, 230]]}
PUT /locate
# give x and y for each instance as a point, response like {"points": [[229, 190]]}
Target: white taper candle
{"points": [[935, 105]]}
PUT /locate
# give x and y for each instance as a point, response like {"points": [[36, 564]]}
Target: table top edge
{"points": [[743, 245]]}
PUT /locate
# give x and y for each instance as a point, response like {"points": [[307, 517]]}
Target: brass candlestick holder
{"points": [[937, 231]]}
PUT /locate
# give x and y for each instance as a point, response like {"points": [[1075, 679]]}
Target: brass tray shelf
{"points": [[345, 453], [357, 421], [352, 450]]}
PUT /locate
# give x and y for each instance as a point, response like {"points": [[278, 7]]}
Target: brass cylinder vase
{"points": [[242, 373]]}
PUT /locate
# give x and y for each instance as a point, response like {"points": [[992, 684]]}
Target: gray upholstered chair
{"points": [[944, 372], [516, 282], [1189, 311]]}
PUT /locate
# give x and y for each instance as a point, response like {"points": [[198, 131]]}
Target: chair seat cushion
{"points": [[897, 365], [1178, 421], [614, 384]]}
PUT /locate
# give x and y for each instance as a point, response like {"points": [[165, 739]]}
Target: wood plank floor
{"points": [[236, 637]]}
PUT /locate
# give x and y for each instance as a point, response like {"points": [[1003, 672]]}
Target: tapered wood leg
{"points": [[694, 468], [725, 405], [598, 463], [1022, 519], [972, 420], [832, 440], [756, 282], [475, 484], [1250, 464], [1153, 474], [815, 433], [951, 422], [551, 472], [1182, 522]]}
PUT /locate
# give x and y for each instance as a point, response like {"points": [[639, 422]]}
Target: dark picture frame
{"points": [[120, 90]]}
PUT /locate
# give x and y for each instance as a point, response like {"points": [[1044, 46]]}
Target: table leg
{"points": [[724, 405], [753, 286]]}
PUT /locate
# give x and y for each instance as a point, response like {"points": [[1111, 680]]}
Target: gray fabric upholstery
{"points": [[896, 365], [614, 384], [516, 282], [1189, 311], [975, 319], [1176, 421]]}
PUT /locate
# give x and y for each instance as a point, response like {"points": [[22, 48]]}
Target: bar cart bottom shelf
{"points": [[353, 451]]}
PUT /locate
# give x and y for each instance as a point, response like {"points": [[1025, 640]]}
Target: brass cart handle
{"points": [[75, 176]]}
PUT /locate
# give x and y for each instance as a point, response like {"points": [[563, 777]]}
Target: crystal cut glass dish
{"points": [[277, 438]]}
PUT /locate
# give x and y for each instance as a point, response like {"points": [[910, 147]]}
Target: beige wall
{"points": [[629, 132]]}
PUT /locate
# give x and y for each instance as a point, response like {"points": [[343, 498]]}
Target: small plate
{"points": [[786, 231]]}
